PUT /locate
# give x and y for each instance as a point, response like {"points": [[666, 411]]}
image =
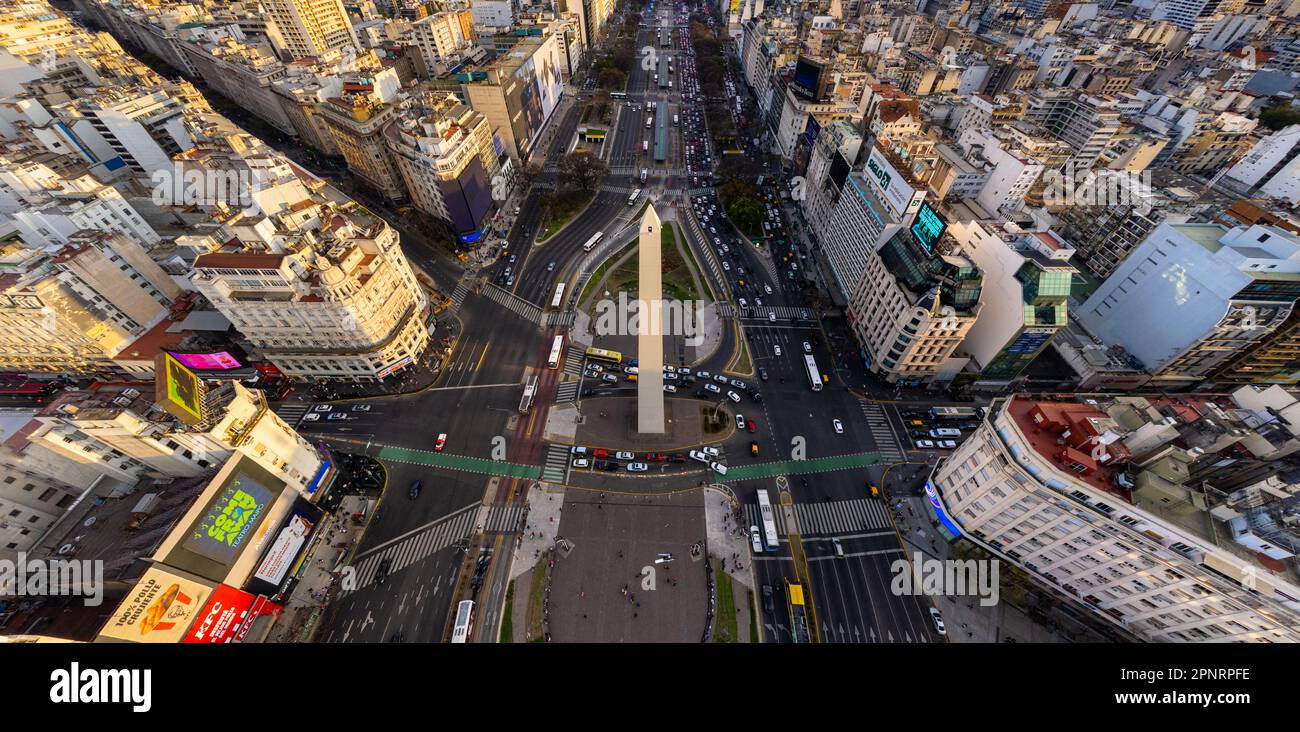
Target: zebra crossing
{"points": [[566, 392], [414, 546], [505, 519], [556, 467], [783, 312], [829, 518], [291, 412], [573, 359], [517, 305], [882, 433], [561, 320]]}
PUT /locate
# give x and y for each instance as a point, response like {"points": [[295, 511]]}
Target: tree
{"points": [[581, 170], [529, 173], [612, 78], [1280, 115]]}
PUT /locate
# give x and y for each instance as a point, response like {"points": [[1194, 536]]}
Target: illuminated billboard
{"points": [[928, 227], [283, 558], [890, 184], [807, 80], [159, 609], [233, 519], [215, 361], [177, 389], [226, 612]]}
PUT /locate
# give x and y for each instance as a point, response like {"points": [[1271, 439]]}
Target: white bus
{"points": [[557, 350], [649, 122], [464, 622], [770, 542], [558, 300], [530, 393], [593, 241], [814, 373], [631, 197], [645, 172]]}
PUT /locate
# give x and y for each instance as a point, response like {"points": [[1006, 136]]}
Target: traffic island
{"points": [[611, 422]]}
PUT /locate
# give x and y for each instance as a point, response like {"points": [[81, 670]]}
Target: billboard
{"points": [[890, 184], [227, 524], [226, 612], [807, 78], [468, 197], [928, 227], [214, 361], [287, 547], [159, 609], [177, 389]]}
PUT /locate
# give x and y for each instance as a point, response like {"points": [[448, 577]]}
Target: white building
{"points": [[1273, 165], [311, 27]]}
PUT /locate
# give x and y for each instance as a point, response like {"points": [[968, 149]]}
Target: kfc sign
{"points": [[226, 612]]}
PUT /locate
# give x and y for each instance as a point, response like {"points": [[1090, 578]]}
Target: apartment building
{"points": [[518, 91], [1090, 498], [1085, 122], [311, 27], [356, 120]]}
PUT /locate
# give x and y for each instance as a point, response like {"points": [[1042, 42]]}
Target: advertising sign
{"points": [[284, 550], [177, 389], [889, 183], [216, 361], [807, 78], [159, 609], [228, 523], [261, 607], [222, 617], [928, 227]]}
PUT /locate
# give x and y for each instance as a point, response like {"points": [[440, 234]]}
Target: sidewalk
{"points": [[413, 379], [728, 538], [319, 582]]}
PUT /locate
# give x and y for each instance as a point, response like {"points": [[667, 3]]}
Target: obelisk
{"points": [[650, 333]]}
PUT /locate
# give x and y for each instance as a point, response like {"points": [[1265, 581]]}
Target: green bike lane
{"points": [[827, 464]]}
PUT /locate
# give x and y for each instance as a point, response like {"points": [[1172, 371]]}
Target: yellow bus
{"points": [[798, 613], [600, 354]]}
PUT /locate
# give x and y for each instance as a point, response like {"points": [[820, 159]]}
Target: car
{"points": [[703, 375], [720, 379], [738, 384], [718, 468], [442, 442], [339, 416], [595, 368], [550, 267], [838, 548], [516, 210], [924, 445], [753, 447], [637, 467], [624, 455], [682, 370], [938, 622], [361, 407], [381, 572], [751, 426], [712, 451], [733, 396], [631, 370], [610, 378], [767, 288], [740, 421], [768, 603], [838, 425], [415, 489], [755, 540], [599, 452], [727, 266], [946, 444], [743, 302], [756, 396], [699, 455], [803, 315], [654, 457], [581, 463], [776, 349], [311, 417], [807, 347], [323, 407], [771, 317], [670, 389], [945, 432], [606, 465], [712, 388]]}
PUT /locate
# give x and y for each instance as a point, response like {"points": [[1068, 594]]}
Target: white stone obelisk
{"points": [[650, 333]]}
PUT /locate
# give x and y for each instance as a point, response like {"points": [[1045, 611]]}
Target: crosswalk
{"points": [[462, 289], [783, 312], [290, 412], [830, 518], [566, 392], [517, 305], [556, 467], [414, 546], [505, 519], [573, 359], [560, 320], [886, 443]]}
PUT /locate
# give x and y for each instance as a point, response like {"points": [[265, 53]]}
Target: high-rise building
{"points": [[1085, 122], [311, 27]]}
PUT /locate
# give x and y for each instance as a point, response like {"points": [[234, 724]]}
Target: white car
{"points": [[767, 289], [699, 455], [579, 450], [740, 421], [733, 396], [637, 467], [624, 456], [947, 444], [718, 468], [776, 349], [361, 408], [924, 445], [631, 370], [311, 417], [743, 302], [323, 407], [712, 388], [670, 389], [703, 375], [726, 266], [755, 541], [938, 622], [337, 416], [838, 425], [807, 347], [581, 463], [713, 451], [771, 317], [721, 379]]}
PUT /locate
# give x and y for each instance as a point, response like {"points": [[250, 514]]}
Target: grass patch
{"points": [[724, 624], [599, 274], [713, 424], [753, 621], [539, 578], [560, 208], [742, 364], [507, 624], [694, 265]]}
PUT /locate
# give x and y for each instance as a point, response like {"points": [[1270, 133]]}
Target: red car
{"points": [[751, 425], [600, 453], [441, 443], [654, 457]]}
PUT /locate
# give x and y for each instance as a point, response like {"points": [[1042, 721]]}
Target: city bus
{"points": [[27, 393], [558, 300], [464, 622], [631, 197], [770, 541], [530, 392], [798, 612], [814, 373], [600, 354], [593, 241], [557, 350], [954, 413], [618, 95]]}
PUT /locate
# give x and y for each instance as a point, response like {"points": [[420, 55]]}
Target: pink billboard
{"points": [[217, 361]]}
